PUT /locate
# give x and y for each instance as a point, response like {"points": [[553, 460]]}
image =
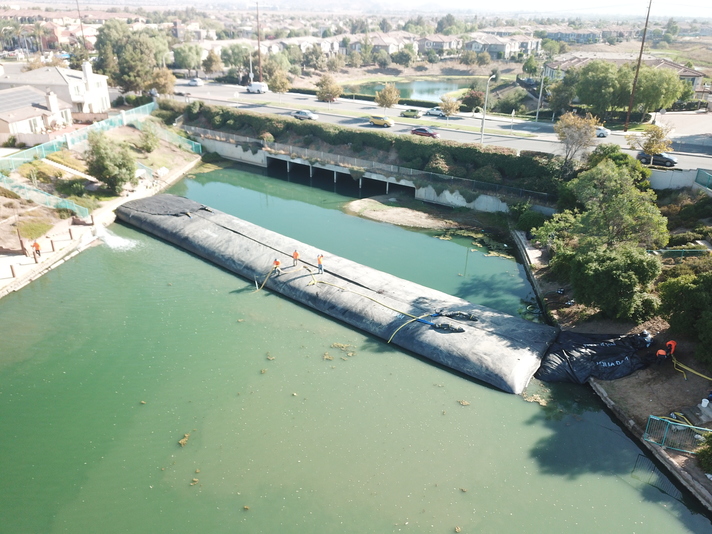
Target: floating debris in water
{"points": [[294, 394], [197, 470], [458, 529], [463, 490], [142, 402], [246, 508], [327, 356], [240, 320], [263, 371], [182, 442], [464, 402], [194, 482]]}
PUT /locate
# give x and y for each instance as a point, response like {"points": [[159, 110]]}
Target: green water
{"points": [[372, 440], [417, 90]]}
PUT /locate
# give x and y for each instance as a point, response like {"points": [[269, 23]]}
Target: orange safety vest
{"points": [[36, 245], [671, 345], [295, 255], [277, 263], [320, 260], [661, 354]]}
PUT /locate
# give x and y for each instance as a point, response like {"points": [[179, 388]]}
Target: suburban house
{"points": [[556, 68], [87, 92], [439, 42], [568, 34], [32, 116], [503, 47]]}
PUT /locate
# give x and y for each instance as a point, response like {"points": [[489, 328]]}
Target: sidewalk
{"points": [[65, 239]]}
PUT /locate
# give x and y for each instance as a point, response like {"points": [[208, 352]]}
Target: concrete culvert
{"points": [[490, 346]]}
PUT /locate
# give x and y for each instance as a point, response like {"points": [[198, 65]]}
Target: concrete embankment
{"points": [[496, 348]]}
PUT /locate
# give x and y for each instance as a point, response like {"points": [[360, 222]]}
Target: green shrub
{"points": [[64, 213], [67, 158], [704, 454], [8, 194], [70, 187], [530, 219]]}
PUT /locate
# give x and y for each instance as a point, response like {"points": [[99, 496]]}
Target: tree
{"points": [[653, 141], [389, 97], [385, 26], [149, 140], [483, 58], [110, 162], [235, 55], [449, 106], [335, 63], [110, 40], [616, 282], [163, 81], [432, 56], [188, 56], [136, 64], [327, 89], [446, 22], [550, 48], [616, 211], [405, 57], [576, 133], [279, 83], [355, 59], [531, 66], [597, 86], [383, 59], [612, 152], [473, 99], [468, 57], [563, 92], [658, 88], [212, 63], [686, 302]]}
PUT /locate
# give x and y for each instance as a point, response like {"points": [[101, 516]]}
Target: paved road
{"points": [[354, 113]]}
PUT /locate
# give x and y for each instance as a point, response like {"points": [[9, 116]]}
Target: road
{"points": [[505, 132]]}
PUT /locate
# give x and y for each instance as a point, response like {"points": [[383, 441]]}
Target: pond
{"points": [[291, 422], [428, 90]]}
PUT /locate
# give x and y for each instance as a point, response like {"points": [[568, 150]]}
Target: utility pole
{"points": [[259, 47], [637, 69], [484, 112], [84, 38], [541, 90]]}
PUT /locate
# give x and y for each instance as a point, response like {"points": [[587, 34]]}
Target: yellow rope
{"points": [[679, 367], [263, 283], [406, 323]]}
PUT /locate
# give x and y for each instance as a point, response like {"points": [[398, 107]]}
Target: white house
{"points": [[87, 92], [32, 116]]}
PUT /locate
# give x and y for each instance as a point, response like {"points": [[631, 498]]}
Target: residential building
{"points": [[32, 116], [87, 92], [439, 42], [556, 68]]}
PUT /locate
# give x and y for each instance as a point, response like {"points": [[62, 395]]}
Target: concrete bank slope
{"points": [[499, 349]]}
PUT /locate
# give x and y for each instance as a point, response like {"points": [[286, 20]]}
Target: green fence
{"points": [[41, 197], [171, 137], [673, 435], [704, 178]]}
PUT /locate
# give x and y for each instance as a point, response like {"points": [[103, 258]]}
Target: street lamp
{"points": [[484, 111]]}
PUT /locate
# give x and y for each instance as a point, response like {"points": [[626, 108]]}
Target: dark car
{"points": [[425, 131], [662, 159]]}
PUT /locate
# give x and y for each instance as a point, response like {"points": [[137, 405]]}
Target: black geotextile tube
{"points": [[497, 348]]}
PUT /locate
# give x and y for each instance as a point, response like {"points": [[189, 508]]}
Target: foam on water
{"points": [[114, 241]]}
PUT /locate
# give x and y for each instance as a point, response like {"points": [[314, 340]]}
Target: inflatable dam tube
{"points": [[496, 348]]}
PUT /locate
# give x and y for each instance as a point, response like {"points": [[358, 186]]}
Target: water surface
{"points": [[297, 423]]}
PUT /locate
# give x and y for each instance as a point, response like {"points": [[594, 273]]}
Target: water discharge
{"points": [[113, 241], [296, 423]]}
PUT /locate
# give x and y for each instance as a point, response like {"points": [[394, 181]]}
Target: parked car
{"points": [[381, 120], [412, 113], [425, 132], [257, 87], [304, 114], [435, 111], [196, 82], [662, 159], [602, 132]]}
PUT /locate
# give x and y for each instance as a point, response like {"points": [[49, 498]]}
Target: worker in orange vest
{"points": [[276, 267], [295, 258], [671, 346], [320, 263], [36, 246], [660, 356]]}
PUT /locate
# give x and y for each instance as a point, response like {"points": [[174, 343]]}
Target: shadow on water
{"points": [[579, 421]]}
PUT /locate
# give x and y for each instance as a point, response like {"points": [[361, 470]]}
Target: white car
{"points": [[305, 114], [435, 111], [602, 132], [257, 87], [196, 82]]}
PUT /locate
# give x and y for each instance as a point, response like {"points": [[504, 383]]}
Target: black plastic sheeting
{"points": [[577, 357], [494, 347]]}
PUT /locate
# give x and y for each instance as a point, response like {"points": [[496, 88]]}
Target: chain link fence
{"points": [[41, 197], [673, 435]]}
